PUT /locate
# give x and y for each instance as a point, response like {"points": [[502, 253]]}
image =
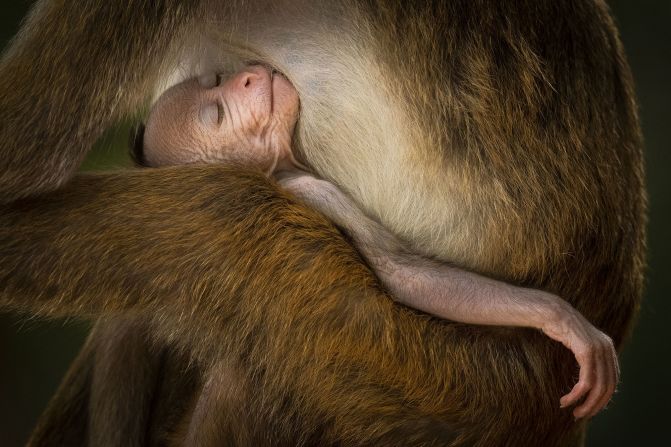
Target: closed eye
{"points": [[220, 113], [220, 106], [210, 114]]}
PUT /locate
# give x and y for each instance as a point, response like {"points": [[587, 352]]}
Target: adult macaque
{"points": [[250, 118], [499, 136]]}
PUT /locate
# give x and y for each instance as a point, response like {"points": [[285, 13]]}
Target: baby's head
{"points": [[248, 118]]}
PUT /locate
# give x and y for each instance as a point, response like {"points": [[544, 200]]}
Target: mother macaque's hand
{"points": [[596, 356]]}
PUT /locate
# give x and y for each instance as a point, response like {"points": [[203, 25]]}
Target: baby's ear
{"points": [[136, 145]]}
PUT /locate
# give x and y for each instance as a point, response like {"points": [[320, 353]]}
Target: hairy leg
{"points": [[221, 414], [125, 371]]}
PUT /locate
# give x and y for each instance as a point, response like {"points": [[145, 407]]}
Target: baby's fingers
{"points": [[602, 376], [612, 374], [586, 379], [597, 390]]}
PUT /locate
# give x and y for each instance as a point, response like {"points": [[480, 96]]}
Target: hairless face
{"points": [[248, 118]]}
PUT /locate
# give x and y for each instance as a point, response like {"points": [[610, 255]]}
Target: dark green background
{"points": [[34, 354]]}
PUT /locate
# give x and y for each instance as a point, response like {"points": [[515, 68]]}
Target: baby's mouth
{"points": [[274, 73]]}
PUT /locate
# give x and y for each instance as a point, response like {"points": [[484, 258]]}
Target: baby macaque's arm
{"points": [[455, 294]]}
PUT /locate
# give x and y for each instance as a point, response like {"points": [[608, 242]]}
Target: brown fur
{"points": [[517, 154]]}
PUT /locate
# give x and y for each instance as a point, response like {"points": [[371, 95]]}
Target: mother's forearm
{"points": [[135, 240]]}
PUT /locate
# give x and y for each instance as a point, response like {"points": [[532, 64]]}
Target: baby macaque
{"points": [[250, 117]]}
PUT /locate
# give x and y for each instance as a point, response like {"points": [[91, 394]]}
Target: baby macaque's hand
{"points": [[594, 350], [596, 356]]}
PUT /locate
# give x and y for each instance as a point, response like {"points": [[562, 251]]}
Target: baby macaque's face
{"points": [[248, 118]]}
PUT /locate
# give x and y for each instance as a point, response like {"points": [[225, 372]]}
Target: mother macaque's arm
{"points": [[73, 70], [187, 244], [458, 295], [225, 265]]}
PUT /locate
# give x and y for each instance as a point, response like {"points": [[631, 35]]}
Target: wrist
{"points": [[552, 313]]}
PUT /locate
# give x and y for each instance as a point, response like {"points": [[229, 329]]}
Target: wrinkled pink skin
{"points": [[250, 119]]}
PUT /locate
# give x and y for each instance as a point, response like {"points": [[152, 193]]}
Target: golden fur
{"points": [[501, 136]]}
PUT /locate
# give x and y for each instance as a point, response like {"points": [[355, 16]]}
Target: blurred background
{"points": [[34, 354]]}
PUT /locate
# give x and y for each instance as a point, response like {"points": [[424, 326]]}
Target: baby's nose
{"points": [[251, 77]]}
